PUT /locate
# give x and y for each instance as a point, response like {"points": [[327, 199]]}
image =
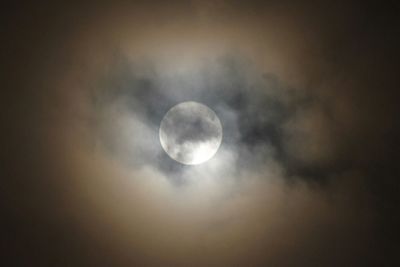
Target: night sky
{"points": [[307, 95]]}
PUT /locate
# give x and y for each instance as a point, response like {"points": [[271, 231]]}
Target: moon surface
{"points": [[190, 133]]}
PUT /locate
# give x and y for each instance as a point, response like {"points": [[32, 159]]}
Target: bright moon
{"points": [[190, 133]]}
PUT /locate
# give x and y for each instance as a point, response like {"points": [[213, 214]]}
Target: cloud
{"points": [[251, 202], [306, 173]]}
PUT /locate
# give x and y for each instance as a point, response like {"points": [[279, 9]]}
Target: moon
{"points": [[190, 133]]}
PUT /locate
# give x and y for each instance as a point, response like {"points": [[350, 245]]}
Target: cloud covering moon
{"points": [[190, 133]]}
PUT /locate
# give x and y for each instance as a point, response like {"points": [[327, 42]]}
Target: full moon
{"points": [[190, 133]]}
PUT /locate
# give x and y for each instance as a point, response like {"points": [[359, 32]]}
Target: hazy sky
{"points": [[306, 174]]}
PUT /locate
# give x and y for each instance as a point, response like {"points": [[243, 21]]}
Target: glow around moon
{"points": [[190, 133]]}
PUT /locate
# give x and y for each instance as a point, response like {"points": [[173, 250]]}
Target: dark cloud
{"points": [[266, 111]]}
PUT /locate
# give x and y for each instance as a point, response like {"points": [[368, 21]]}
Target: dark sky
{"points": [[307, 172]]}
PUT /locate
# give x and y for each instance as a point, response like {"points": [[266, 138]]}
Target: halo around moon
{"points": [[190, 133]]}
